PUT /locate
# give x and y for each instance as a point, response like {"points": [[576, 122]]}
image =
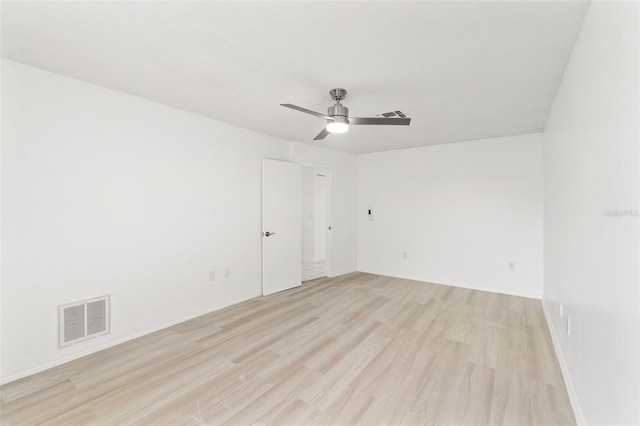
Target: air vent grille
{"points": [[83, 320], [393, 114]]}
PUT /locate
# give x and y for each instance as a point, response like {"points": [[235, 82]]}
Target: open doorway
{"points": [[315, 222]]}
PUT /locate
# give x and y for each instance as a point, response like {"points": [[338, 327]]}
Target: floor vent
{"points": [[83, 320]]}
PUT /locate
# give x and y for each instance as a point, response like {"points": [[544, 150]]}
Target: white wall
{"points": [[105, 193], [591, 159], [461, 212]]}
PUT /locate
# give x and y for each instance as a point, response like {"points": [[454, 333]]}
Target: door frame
{"points": [[328, 264]]}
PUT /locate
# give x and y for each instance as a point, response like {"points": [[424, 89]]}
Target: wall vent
{"points": [[83, 320], [393, 114]]}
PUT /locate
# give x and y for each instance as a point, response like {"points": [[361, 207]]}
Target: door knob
{"points": [[266, 234]]}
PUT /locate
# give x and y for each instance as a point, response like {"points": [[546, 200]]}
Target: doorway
{"points": [[316, 190]]}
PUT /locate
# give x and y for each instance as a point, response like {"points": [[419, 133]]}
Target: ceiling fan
{"points": [[338, 119]]}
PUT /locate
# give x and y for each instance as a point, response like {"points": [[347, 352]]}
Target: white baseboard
{"points": [[94, 349], [487, 289], [573, 397], [338, 272]]}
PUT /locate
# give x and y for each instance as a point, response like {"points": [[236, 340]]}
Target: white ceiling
{"points": [[460, 70]]}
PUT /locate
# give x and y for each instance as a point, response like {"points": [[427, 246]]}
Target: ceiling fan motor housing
{"points": [[338, 111]]}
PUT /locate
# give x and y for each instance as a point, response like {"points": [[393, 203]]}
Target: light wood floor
{"points": [[357, 349]]}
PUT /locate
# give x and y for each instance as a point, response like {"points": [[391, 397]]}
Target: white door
{"points": [[281, 226]]}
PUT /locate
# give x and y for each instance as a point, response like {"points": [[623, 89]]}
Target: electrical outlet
{"points": [[512, 265], [561, 310], [212, 276], [568, 326], [227, 273]]}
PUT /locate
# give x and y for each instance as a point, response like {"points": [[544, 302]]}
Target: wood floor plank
{"points": [[53, 398], [284, 389], [356, 349], [334, 381]]}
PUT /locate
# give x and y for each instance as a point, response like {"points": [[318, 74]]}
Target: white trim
{"points": [[573, 396], [338, 272], [468, 287], [46, 366]]}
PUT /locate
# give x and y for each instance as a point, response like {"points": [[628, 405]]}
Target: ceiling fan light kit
{"points": [[339, 125], [338, 119]]}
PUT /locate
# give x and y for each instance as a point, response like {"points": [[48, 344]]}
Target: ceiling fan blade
{"points": [[308, 111], [379, 120], [323, 134]]}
